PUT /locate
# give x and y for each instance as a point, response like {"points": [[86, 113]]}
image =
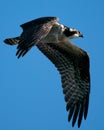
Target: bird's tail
{"points": [[12, 41]]}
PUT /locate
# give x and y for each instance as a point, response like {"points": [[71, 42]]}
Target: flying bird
{"points": [[52, 39]]}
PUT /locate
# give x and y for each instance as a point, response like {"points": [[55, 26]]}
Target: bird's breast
{"points": [[51, 37]]}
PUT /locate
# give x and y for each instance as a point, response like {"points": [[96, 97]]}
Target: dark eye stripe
{"points": [[68, 33]]}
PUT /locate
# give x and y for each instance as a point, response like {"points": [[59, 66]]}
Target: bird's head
{"points": [[72, 33]]}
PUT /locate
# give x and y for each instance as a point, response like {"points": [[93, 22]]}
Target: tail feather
{"points": [[12, 41]]}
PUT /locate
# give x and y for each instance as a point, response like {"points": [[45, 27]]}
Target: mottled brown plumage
{"points": [[51, 38]]}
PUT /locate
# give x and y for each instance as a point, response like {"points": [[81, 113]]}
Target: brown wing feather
{"points": [[73, 65], [33, 32]]}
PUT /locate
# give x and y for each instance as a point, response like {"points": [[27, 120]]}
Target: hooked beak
{"points": [[81, 35]]}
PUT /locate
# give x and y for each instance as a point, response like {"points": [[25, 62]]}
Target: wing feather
{"points": [[73, 65], [33, 32]]}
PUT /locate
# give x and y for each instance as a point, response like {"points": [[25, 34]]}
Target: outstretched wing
{"points": [[33, 32], [73, 65]]}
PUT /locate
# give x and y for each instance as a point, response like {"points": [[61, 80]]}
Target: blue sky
{"points": [[31, 95]]}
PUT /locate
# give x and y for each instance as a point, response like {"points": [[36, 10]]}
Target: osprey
{"points": [[52, 39]]}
